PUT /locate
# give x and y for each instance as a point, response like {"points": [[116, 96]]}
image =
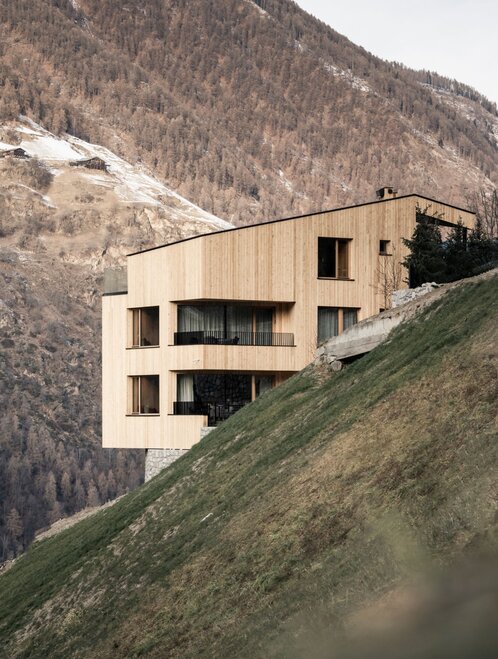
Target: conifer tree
{"points": [[425, 262], [481, 248], [458, 258]]}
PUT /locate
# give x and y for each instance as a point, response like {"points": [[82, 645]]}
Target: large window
{"points": [[215, 395], [144, 394], [218, 395], [334, 320], [228, 324], [333, 258], [145, 327]]}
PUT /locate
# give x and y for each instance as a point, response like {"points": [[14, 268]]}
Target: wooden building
{"points": [[205, 325], [14, 152], [91, 163]]}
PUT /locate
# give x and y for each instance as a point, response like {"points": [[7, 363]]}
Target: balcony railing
{"points": [[234, 338], [215, 412]]}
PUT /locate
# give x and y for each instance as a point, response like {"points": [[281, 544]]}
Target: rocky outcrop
{"points": [[408, 294]]}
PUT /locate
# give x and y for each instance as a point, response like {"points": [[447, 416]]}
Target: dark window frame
{"points": [[384, 247], [137, 395], [137, 327], [340, 321], [334, 258]]}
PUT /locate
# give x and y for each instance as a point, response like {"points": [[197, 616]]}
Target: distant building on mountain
{"points": [[91, 163], [14, 152], [201, 327]]}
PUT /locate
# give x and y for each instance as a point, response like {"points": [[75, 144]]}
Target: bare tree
{"points": [[485, 205], [389, 276]]}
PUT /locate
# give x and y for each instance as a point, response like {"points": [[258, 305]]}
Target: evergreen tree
{"points": [[458, 258], [425, 261], [482, 249]]}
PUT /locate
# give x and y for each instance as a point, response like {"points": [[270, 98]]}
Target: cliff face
{"points": [[253, 110], [308, 512]]}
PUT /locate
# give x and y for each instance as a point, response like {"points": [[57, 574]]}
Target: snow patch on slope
{"points": [[49, 148], [348, 76], [354, 81], [131, 183], [467, 108]]}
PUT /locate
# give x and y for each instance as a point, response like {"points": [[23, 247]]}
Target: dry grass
{"points": [[313, 503]]}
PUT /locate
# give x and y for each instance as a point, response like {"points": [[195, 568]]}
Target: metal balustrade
{"points": [[214, 337], [216, 412]]}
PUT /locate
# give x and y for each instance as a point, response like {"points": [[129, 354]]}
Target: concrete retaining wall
{"points": [[368, 334]]}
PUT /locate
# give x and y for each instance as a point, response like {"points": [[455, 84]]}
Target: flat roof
{"points": [[297, 217]]}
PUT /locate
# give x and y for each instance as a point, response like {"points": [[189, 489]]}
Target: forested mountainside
{"points": [[252, 109], [59, 226], [310, 513]]}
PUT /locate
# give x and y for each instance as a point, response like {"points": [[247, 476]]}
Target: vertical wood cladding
{"points": [[267, 263]]}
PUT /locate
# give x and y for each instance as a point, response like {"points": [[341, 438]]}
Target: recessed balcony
{"points": [[234, 338], [218, 395]]}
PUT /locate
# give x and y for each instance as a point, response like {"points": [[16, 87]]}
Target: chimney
{"points": [[387, 192]]}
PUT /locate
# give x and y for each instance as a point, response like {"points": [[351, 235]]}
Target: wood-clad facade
{"points": [[267, 271]]}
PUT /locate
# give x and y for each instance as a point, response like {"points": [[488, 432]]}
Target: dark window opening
{"points": [[145, 327], [350, 318], [384, 247], [145, 394], [333, 258]]}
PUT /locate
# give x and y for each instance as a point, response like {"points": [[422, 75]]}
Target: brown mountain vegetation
{"points": [[251, 109], [56, 234]]}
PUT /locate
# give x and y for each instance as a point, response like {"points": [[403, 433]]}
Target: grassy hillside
{"points": [[324, 496]]}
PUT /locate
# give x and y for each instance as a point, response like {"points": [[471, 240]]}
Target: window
{"points": [[328, 323], [144, 394], [333, 258], [334, 320], [145, 327], [215, 395], [350, 318], [384, 247]]}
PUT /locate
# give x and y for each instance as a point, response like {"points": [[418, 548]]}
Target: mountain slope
{"points": [[254, 110], [59, 227], [322, 496]]}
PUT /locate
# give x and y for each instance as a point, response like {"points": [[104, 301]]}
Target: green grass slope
{"points": [[322, 497]]}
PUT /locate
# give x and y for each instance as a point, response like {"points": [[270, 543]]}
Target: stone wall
{"points": [[157, 459], [408, 294]]}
